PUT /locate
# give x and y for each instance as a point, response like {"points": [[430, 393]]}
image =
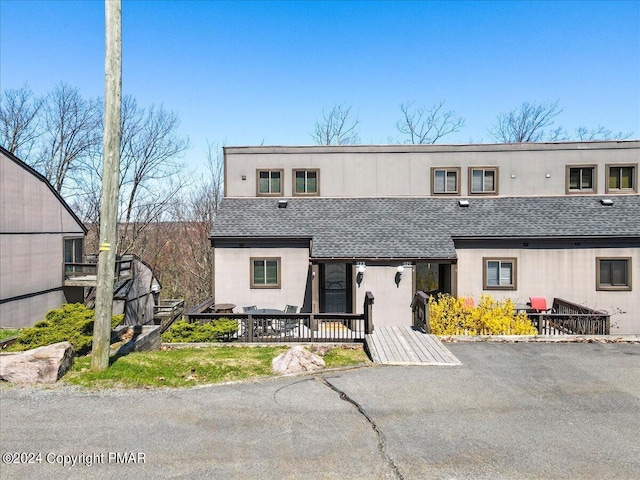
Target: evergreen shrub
{"points": [[214, 331], [73, 323]]}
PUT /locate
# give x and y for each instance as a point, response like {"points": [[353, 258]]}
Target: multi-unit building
{"points": [[318, 226]]}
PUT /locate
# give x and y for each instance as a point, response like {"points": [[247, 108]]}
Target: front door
{"points": [[335, 288]]}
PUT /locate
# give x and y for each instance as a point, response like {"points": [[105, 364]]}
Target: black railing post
{"points": [[368, 313], [250, 328]]}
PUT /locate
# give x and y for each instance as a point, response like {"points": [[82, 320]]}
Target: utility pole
{"points": [[110, 180]]}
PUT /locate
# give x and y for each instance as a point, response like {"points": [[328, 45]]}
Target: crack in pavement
{"points": [[380, 435]]}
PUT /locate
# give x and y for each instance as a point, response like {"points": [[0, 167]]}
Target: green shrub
{"points": [[215, 331], [73, 322], [450, 316]]}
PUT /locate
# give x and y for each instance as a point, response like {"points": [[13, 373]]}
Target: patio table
{"points": [[522, 308], [264, 310], [223, 308], [269, 327]]}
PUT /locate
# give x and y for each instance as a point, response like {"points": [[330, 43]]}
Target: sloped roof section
{"points": [[422, 227]]}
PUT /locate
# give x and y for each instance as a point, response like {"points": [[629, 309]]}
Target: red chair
{"points": [[539, 305], [469, 303]]}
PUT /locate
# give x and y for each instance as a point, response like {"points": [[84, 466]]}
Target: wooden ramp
{"points": [[407, 346]]}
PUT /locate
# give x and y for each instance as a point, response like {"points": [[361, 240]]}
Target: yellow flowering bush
{"points": [[450, 316]]}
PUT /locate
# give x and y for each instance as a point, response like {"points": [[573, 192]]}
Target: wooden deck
{"points": [[406, 346]]}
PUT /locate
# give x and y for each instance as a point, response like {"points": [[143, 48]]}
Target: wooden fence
{"points": [[293, 327]]}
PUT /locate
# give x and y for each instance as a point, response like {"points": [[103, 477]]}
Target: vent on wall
{"points": [[463, 203], [607, 202], [282, 203]]}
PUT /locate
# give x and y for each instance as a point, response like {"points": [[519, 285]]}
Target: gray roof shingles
{"points": [[422, 227]]}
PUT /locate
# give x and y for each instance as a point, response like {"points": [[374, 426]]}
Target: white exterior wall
{"points": [[391, 304], [232, 270], [395, 171], [569, 274]]}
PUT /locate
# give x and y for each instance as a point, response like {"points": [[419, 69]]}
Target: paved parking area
{"points": [[511, 411]]}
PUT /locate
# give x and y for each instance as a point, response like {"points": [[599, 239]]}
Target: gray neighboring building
{"points": [[38, 233], [318, 226]]}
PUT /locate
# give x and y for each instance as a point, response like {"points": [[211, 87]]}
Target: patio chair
{"points": [[250, 307], [469, 302], [539, 305], [291, 309]]}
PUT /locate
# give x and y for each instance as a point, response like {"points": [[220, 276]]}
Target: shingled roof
{"points": [[422, 227]]}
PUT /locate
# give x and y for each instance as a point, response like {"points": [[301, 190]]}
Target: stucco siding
{"points": [[392, 304], [569, 274], [233, 277], [387, 171]]}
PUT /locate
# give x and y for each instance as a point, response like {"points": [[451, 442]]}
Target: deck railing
{"points": [[571, 319], [420, 311], [80, 271], [293, 327], [567, 318], [167, 312]]}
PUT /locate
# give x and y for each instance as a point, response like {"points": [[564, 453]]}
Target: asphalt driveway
{"points": [[511, 411]]}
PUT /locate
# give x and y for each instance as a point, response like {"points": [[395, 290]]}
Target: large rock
{"points": [[40, 365], [296, 360]]}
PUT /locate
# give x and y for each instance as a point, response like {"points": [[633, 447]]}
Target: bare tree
{"points": [[184, 261], [526, 123], [71, 133], [19, 120], [336, 127], [149, 179], [425, 125], [584, 134]]}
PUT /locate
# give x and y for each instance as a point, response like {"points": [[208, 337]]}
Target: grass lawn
{"points": [[186, 367], [8, 332]]}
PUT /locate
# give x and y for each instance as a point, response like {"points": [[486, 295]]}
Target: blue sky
{"points": [[247, 73]]}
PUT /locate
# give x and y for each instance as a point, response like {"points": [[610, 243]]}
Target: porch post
{"points": [[315, 288]]}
